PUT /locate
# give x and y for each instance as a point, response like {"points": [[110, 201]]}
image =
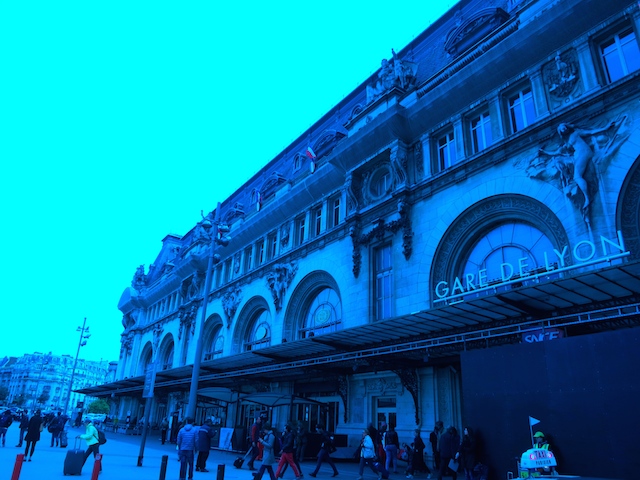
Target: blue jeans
{"points": [[186, 460], [392, 457]]}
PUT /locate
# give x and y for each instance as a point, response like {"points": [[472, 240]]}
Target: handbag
{"points": [[454, 465]]}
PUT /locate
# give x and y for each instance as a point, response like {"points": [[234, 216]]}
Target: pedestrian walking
{"points": [[55, 427], [434, 439], [268, 456], [186, 447], [367, 455], [467, 453], [24, 424], [326, 449], [5, 422], [391, 446], [449, 444], [164, 427], [287, 456], [34, 428], [203, 444], [254, 435], [91, 437]]}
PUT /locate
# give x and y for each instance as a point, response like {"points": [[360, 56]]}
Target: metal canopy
{"points": [[397, 339]]}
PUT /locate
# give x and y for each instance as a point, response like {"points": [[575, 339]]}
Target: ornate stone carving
{"points": [[279, 279], [187, 317], [394, 73], [419, 158], [191, 287], [237, 211], [271, 184], [576, 161], [398, 158], [230, 302], [126, 343], [158, 329], [473, 30], [284, 234], [139, 278], [404, 223], [352, 189], [561, 78], [409, 380]]}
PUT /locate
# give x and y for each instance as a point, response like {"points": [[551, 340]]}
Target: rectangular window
{"points": [[446, 150], [522, 111], [300, 229], [227, 271], [273, 245], [481, 137], [317, 221], [260, 253], [334, 204], [383, 272], [248, 257], [620, 54]]}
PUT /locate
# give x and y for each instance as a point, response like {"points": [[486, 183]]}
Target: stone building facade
{"points": [[474, 202], [29, 376]]}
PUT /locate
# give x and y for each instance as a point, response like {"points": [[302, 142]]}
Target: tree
{"points": [[19, 400], [99, 406], [4, 393]]}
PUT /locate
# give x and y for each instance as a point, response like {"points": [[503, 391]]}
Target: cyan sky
{"points": [[121, 120]]}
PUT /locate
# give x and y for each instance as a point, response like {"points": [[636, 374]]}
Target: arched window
{"points": [[216, 344], [166, 361], [507, 249], [260, 333], [323, 315]]}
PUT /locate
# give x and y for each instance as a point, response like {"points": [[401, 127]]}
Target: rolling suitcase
{"points": [[74, 460], [64, 441]]}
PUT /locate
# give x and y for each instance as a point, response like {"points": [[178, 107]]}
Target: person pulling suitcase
{"points": [[91, 437]]}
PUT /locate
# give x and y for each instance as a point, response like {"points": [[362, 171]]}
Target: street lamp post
{"points": [[217, 238], [84, 335]]}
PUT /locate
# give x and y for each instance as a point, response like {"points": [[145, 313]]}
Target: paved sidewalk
{"points": [[121, 459]]}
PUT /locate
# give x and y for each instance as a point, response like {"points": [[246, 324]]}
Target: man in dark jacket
{"points": [[256, 428], [287, 457], [449, 445], [434, 439], [5, 422], [186, 446], [24, 424], [203, 444], [324, 455]]}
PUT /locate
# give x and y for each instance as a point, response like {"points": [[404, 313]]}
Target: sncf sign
{"points": [[542, 335]]}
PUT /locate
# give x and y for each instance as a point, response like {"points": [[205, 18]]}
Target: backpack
{"points": [[102, 438]]}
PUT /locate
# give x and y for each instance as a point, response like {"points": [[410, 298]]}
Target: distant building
{"points": [[457, 240], [32, 375]]}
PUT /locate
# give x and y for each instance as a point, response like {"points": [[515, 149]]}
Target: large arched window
{"points": [[499, 240], [166, 354], [145, 358], [324, 314], [507, 249], [215, 345], [260, 332]]}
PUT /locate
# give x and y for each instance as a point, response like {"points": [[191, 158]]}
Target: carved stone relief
{"points": [[187, 317], [230, 302], [139, 278], [158, 329], [576, 159], [381, 227], [561, 78], [279, 279], [394, 73]]}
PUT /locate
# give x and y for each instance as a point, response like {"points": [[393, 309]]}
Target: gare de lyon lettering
{"points": [[583, 253]]}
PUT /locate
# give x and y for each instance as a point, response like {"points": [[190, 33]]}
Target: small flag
{"points": [[310, 153], [533, 421]]}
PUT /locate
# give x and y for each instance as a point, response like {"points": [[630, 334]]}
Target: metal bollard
{"points": [[163, 467], [220, 474], [97, 467], [17, 467]]}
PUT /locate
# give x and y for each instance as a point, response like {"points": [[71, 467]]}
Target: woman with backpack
{"points": [[91, 437]]}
